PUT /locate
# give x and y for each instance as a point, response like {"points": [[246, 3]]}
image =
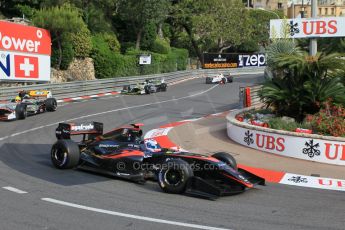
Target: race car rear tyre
{"points": [[65, 154], [230, 79], [51, 104], [174, 175], [226, 158], [163, 87], [208, 80], [21, 112], [223, 81]]}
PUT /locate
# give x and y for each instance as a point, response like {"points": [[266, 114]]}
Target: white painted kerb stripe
{"points": [[130, 215], [12, 189]]}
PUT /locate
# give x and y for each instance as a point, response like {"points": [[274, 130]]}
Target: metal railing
{"points": [[82, 88]]}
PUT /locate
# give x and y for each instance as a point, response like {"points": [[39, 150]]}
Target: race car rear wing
{"points": [[40, 93], [65, 130], [137, 125]]}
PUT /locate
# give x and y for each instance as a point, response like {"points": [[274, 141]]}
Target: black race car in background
{"points": [[123, 153], [28, 103], [146, 87], [220, 78]]}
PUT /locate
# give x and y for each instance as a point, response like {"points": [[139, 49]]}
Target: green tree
{"points": [[9, 8], [149, 36], [139, 13], [59, 20], [260, 25], [96, 20], [81, 42], [161, 46], [212, 24]]}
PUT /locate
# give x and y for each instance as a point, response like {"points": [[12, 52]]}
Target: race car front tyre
{"points": [[173, 177], [226, 158], [51, 104], [208, 80], [21, 112], [163, 87], [65, 154], [223, 81]]}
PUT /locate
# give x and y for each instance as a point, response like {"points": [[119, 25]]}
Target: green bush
{"points": [[330, 120], [281, 124], [181, 56], [68, 55], [161, 46], [106, 41], [113, 43], [111, 64], [127, 47], [101, 55], [81, 42]]}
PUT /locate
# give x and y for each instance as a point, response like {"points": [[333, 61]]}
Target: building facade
{"points": [[270, 5], [326, 8]]}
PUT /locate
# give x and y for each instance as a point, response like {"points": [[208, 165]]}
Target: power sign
{"points": [[24, 53], [307, 28]]}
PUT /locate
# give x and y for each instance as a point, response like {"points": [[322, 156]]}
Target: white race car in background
{"points": [[219, 78]]}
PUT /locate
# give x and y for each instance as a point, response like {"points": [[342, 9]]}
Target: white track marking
{"points": [[161, 221], [12, 189], [105, 112], [3, 138]]}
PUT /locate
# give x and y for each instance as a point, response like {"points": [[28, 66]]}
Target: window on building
{"points": [[332, 10], [326, 11], [320, 11], [280, 5]]}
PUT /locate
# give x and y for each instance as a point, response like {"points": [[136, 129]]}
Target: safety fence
{"points": [[82, 88]]}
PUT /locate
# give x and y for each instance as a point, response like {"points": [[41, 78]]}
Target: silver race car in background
{"points": [[146, 87]]}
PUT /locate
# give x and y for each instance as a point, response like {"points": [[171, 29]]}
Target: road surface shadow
{"points": [[34, 160]]}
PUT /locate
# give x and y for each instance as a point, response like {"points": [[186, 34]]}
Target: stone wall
{"points": [[79, 70]]}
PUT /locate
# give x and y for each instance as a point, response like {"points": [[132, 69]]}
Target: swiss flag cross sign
{"points": [[26, 66]]}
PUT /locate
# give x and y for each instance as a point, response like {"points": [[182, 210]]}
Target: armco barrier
{"points": [[311, 147], [81, 88]]}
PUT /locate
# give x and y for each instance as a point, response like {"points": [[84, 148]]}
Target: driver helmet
{"points": [[152, 145], [17, 99]]}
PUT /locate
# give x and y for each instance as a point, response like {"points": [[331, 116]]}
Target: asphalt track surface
{"points": [[34, 195]]}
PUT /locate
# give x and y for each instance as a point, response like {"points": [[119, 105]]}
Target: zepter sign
{"points": [[24, 53]]}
